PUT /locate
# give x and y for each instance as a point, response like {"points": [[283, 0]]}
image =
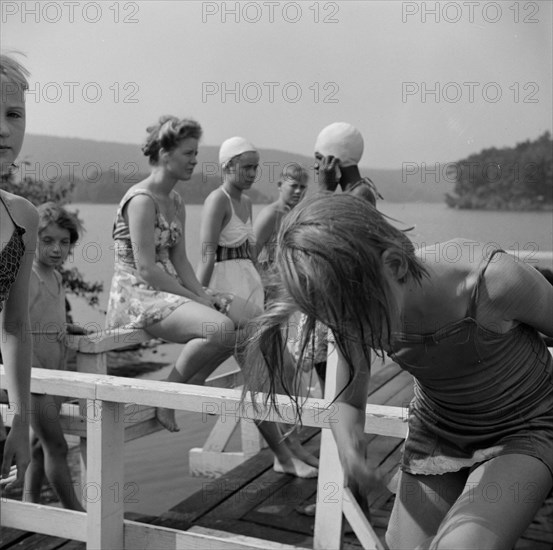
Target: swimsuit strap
{"points": [[471, 309], [142, 192], [232, 206], [7, 203], [233, 212]]}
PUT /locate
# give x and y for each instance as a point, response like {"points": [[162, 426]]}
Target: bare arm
{"points": [[141, 215], [213, 216], [348, 427], [519, 293], [180, 260], [264, 226], [16, 352], [252, 246]]}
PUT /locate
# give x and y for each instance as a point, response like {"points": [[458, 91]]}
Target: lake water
{"points": [[156, 467], [434, 223]]}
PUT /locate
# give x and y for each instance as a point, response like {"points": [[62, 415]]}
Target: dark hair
{"points": [[329, 266], [50, 212], [167, 134]]}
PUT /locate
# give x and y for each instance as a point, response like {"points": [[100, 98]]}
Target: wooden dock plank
{"points": [[270, 502], [38, 542], [9, 536]]}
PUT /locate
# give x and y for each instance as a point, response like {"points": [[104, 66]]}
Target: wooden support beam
{"points": [[105, 477], [330, 483]]}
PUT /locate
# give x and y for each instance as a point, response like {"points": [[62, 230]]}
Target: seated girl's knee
{"points": [[220, 333]]}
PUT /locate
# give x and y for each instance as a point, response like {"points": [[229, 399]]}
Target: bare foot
{"points": [[166, 417], [296, 467], [298, 451]]}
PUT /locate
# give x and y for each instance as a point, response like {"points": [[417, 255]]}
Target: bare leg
{"points": [[488, 508], [45, 424], [499, 501], [208, 339], [290, 457], [292, 440], [35, 474], [421, 503]]}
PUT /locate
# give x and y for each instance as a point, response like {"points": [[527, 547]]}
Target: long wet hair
{"points": [[329, 266]]}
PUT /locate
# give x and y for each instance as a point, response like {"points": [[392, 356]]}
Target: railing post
{"points": [[94, 363], [330, 484], [105, 475]]}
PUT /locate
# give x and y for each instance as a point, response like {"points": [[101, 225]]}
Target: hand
{"points": [[361, 477], [207, 301], [219, 300], [71, 328], [16, 446], [328, 172]]}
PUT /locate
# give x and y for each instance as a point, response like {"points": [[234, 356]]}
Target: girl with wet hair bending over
{"points": [[468, 331]]}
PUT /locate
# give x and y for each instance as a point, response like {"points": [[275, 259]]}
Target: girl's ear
{"points": [[395, 264]]}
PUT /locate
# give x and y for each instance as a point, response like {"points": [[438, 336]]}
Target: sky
{"points": [[425, 82]]}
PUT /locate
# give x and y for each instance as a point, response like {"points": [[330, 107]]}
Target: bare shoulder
{"points": [[506, 274], [217, 201], [267, 213], [140, 203], [459, 255], [23, 211]]}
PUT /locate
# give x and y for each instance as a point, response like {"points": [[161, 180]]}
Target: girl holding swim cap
{"points": [[338, 151]]}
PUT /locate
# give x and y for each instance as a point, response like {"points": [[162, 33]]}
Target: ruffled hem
{"points": [[441, 464]]}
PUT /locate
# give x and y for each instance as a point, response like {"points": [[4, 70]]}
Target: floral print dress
{"points": [[133, 303]]}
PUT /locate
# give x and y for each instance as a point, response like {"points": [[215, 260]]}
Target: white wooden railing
{"points": [[104, 397]]}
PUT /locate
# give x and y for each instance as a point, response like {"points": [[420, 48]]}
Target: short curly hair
{"points": [[50, 212], [167, 134]]}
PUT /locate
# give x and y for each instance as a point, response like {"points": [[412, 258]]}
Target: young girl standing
{"points": [[58, 231]]}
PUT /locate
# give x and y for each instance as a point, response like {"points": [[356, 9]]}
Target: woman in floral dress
{"points": [[154, 286]]}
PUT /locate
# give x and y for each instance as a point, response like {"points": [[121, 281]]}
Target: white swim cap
{"points": [[234, 146], [341, 140]]}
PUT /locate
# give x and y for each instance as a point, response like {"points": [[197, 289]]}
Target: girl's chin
{"points": [[6, 166]]}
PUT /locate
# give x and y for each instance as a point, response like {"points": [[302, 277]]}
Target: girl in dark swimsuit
{"points": [[465, 321], [18, 226]]}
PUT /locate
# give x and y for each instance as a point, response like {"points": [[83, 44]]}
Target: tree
{"points": [[38, 192], [518, 178]]}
